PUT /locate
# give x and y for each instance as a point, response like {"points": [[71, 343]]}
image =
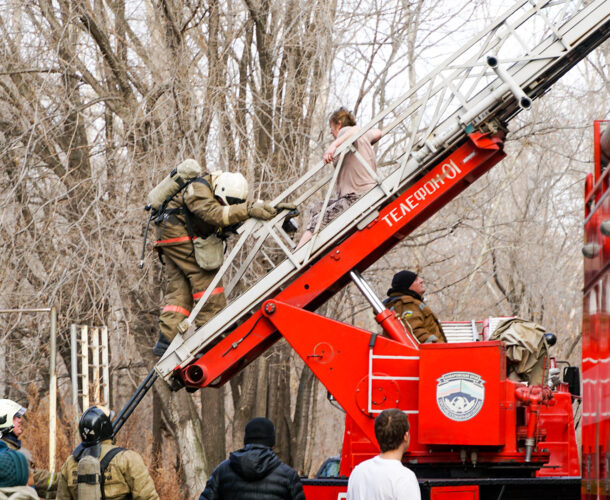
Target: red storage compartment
{"points": [[462, 394]]}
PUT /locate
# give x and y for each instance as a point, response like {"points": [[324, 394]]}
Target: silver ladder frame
{"points": [[89, 355], [480, 87]]}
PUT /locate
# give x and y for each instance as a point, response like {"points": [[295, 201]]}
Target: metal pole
{"points": [[128, 409], [52, 395], [367, 291], [74, 370]]}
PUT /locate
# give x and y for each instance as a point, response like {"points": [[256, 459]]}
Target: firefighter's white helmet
{"points": [[231, 188], [9, 410]]}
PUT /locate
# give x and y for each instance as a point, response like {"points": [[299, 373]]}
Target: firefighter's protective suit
{"points": [[196, 212], [126, 477]]}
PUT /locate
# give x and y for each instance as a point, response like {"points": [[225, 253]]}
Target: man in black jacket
{"points": [[254, 472]]}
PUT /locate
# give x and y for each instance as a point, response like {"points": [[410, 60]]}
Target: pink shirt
{"points": [[353, 177]]}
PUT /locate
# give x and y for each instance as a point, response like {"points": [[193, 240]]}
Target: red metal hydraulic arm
{"points": [[327, 275]]}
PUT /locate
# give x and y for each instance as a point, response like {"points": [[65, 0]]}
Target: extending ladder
{"points": [[477, 90]]}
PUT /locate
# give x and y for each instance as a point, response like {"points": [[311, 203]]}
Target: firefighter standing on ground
{"points": [[209, 203], [11, 414], [406, 299], [125, 477]]}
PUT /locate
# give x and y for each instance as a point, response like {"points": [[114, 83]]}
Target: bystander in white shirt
{"points": [[382, 479]]}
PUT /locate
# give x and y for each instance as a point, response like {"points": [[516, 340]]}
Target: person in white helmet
{"points": [[11, 429], [190, 241]]}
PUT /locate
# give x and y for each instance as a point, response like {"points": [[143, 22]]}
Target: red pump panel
{"points": [[461, 391]]}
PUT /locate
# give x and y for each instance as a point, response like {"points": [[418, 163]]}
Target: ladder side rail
{"points": [[74, 370], [260, 235], [456, 127], [105, 367], [84, 344], [309, 246], [96, 355], [184, 351], [525, 16]]}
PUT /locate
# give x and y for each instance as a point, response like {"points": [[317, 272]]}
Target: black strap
{"points": [[104, 462], [201, 180], [183, 184], [87, 478]]}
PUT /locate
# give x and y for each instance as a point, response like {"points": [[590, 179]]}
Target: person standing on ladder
{"points": [[354, 179], [189, 243]]}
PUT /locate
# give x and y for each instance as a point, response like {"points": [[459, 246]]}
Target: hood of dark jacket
{"points": [[253, 462]]}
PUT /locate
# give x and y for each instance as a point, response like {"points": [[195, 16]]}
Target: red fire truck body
{"points": [[596, 326]]}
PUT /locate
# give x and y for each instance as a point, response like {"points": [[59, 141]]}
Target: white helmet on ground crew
{"points": [[8, 411], [231, 188]]}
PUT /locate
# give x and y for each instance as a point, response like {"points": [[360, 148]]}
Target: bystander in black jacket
{"points": [[254, 472]]}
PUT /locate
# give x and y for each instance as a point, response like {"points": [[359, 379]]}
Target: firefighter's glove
{"points": [[262, 210], [285, 206]]}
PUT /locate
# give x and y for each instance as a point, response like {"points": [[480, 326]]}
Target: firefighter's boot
{"points": [[161, 345]]}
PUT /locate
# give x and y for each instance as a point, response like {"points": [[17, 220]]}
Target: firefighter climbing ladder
{"points": [[474, 92]]}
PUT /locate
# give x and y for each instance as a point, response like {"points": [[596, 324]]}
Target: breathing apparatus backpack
{"points": [[91, 475], [177, 180]]}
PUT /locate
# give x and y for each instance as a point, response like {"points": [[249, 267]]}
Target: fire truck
{"points": [[511, 440]]}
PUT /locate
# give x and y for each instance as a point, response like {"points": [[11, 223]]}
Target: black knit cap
{"points": [[260, 430], [401, 281], [13, 468]]}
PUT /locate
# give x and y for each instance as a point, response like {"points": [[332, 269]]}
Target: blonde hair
{"points": [[343, 117]]}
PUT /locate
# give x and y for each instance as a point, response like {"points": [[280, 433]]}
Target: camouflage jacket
{"points": [[417, 317]]}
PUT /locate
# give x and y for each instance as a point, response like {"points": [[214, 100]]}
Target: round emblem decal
{"points": [[460, 395]]}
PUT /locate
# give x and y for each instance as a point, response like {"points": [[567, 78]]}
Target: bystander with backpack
{"points": [[122, 474]]}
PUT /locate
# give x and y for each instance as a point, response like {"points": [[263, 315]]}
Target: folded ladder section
{"points": [[473, 93]]}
